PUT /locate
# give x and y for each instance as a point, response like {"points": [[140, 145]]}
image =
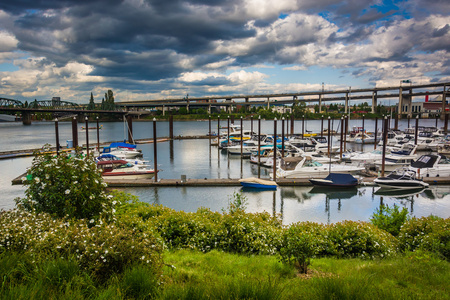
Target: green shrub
{"points": [[103, 249], [66, 186], [244, 233], [358, 239], [299, 243], [426, 233], [390, 219]]}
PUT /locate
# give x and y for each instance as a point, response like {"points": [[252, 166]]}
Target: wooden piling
{"points": [[155, 149], [292, 124], [98, 135], [130, 129], [171, 127], [75, 132], [385, 131], [416, 130], [329, 136], [275, 149], [342, 138], [87, 136], [376, 133], [259, 146], [282, 137], [57, 137]]}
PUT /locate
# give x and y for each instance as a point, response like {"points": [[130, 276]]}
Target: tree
{"points": [[91, 105], [109, 100]]}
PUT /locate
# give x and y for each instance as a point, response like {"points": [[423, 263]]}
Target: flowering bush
{"points": [[426, 233], [66, 185], [103, 249]]}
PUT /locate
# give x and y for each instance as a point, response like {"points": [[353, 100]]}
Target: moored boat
{"points": [[121, 169], [336, 180], [401, 179], [258, 183]]}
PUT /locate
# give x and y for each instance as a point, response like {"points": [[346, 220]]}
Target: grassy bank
{"points": [[217, 275]]}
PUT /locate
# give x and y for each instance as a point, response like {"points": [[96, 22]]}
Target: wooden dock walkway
{"points": [[367, 181]]}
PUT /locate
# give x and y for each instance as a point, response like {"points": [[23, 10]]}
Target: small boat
{"points": [[401, 179], [122, 150], [306, 167], [336, 180], [258, 183], [121, 169], [93, 127]]}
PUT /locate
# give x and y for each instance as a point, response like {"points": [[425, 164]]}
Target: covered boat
{"points": [[258, 183], [336, 180]]}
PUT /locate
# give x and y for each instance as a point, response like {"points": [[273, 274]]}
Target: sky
{"points": [[158, 49]]}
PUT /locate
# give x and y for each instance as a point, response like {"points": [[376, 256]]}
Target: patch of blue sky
{"points": [[392, 8], [283, 16], [8, 67]]}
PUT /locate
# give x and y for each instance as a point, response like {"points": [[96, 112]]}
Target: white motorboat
{"points": [[398, 159], [122, 150], [122, 169], [306, 167], [431, 165], [247, 148], [401, 179], [364, 138]]}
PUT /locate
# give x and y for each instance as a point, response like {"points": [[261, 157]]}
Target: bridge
{"points": [[403, 94], [57, 107]]}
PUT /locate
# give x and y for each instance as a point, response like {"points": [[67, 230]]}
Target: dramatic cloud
{"points": [[145, 49]]}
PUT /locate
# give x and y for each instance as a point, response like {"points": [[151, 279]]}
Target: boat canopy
{"points": [[425, 161], [338, 178], [289, 163], [122, 145]]}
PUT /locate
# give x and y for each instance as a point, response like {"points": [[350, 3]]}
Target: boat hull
{"points": [[128, 175], [400, 184], [324, 182], [258, 186]]}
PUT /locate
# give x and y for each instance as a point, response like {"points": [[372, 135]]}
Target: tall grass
{"points": [[217, 275]]}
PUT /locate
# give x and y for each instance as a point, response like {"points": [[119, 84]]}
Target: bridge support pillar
{"points": [[247, 107], [400, 105], [26, 118], [164, 110], [374, 102], [346, 103], [320, 103]]}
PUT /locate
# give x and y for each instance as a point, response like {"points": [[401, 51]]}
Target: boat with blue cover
{"points": [[336, 180], [258, 183]]}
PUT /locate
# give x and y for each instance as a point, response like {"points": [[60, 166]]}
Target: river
{"points": [[195, 159]]}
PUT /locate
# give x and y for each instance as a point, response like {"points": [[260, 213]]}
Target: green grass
{"points": [[217, 275]]}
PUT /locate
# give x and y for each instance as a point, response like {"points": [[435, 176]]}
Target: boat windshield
{"points": [[312, 163]]}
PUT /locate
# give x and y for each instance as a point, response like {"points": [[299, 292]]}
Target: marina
{"points": [[193, 174]]}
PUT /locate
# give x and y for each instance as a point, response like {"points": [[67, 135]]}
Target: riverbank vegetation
{"points": [[135, 250]]}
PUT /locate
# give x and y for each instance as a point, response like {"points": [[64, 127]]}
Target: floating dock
{"points": [[367, 181]]}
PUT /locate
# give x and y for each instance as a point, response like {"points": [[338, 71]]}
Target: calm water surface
{"points": [[195, 159]]}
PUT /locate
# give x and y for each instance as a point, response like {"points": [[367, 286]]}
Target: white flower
{"points": [[67, 192], [37, 179]]}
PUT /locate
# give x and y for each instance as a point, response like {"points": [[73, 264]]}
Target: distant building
{"points": [[427, 107]]}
